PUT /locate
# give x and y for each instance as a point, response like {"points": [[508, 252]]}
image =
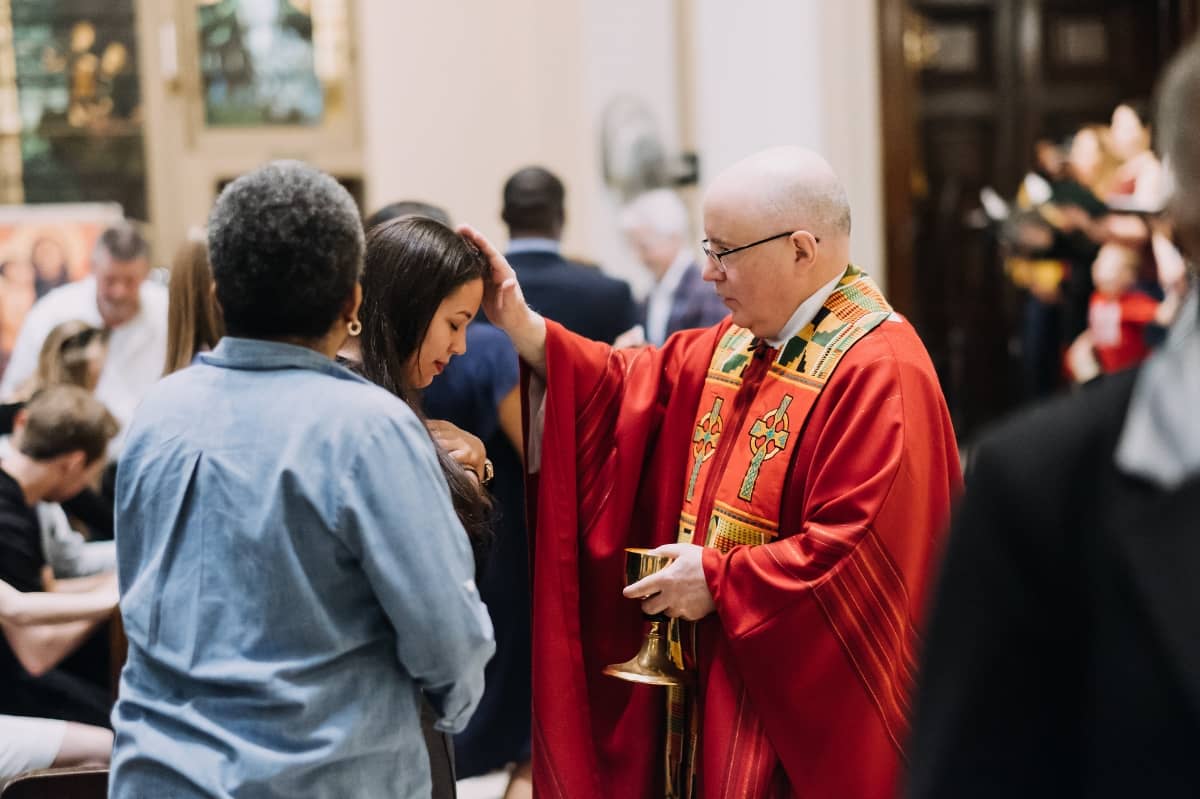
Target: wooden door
{"points": [[971, 84]]}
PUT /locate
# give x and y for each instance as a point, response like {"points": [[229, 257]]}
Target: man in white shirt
{"points": [[118, 297], [656, 226]]}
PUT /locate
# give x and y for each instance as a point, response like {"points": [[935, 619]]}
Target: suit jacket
{"points": [[1063, 656], [694, 304], [580, 298]]}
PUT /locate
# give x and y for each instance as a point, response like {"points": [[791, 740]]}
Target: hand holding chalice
{"points": [[653, 664]]}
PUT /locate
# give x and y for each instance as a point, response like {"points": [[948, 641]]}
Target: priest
{"points": [[796, 461]]}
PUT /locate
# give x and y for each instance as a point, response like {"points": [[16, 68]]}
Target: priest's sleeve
{"points": [[822, 623], [602, 484]]}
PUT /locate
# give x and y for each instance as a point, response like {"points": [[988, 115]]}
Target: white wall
{"points": [[629, 51], [771, 72], [758, 77], [458, 94], [854, 138]]}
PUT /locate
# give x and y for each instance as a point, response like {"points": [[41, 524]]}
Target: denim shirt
{"points": [[292, 577]]}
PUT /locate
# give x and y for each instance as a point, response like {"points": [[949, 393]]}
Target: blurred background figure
{"points": [[581, 298], [1119, 314], [1060, 660], [193, 318], [1139, 176], [63, 670], [49, 260], [657, 228], [1091, 220], [116, 297], [73, 354], [28, 743]]}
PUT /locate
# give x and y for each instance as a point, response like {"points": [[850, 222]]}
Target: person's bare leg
{"points": [[520, 784], [84, 745]]}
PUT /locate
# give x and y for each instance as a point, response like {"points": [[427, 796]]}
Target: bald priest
{"points": [[796, 461]]}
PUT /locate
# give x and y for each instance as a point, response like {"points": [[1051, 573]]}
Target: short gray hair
{"points": [[122, 241], [660, 211], [820, 202], [1178, 122], [286, 247]]}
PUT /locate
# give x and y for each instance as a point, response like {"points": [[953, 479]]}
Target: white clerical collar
{"points": [[805, 313], [1160, 440]]}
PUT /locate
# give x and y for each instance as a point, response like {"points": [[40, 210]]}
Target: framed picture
{"points": [[76, 132], [258, 63], [280, 69]]}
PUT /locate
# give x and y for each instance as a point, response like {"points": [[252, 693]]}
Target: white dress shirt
{"points": [[1160, 440], [658, 304]]}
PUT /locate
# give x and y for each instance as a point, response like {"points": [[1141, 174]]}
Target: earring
{"points": [[354, 328]]}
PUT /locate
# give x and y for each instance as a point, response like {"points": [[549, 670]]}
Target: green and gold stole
{"points": [[741, 452]]}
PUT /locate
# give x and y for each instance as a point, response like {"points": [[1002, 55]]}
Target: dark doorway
{"points": [[968, 86]]}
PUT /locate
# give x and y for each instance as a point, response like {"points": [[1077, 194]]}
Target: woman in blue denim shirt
{"points": [[293, 575]]}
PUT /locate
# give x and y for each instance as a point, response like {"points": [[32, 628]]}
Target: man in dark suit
{"points": [[656, 226], [581, 298], [1063, 656]]}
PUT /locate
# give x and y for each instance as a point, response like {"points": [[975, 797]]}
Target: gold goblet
{"points": [[652, 665]]}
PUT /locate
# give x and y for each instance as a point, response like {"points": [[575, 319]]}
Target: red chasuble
{"points": [[819, 478]]}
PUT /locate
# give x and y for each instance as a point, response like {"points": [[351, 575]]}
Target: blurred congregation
{"points": [[1087, 244], [376, 380]]}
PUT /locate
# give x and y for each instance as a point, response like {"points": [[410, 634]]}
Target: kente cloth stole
{"points": [[742, 446]]}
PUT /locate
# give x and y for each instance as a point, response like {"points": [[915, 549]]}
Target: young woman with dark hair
{"points": [[422, 285]]}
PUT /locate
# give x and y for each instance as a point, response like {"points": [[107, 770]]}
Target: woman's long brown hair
{"points": [[412, 264], [193, 318]]}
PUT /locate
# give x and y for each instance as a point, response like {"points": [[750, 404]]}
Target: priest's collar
{"points": [[1160, 441], [805, 313]]}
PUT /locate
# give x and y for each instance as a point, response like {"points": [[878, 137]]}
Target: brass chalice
{"points": [[652, 665]]}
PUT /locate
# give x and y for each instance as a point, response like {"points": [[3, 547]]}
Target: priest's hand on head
{"points": [[503, 301], [680, 590], [505, 305]]}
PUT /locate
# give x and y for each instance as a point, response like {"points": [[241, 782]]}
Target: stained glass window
{"points": [[260, 62], [72, 66]]}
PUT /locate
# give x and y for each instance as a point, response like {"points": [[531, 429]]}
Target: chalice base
{"points": [[652, 665]]}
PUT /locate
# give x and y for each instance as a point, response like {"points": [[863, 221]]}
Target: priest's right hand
{"points": [[505, 305]]}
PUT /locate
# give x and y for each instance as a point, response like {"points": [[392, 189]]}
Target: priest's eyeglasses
{"points": [[717, 256]]}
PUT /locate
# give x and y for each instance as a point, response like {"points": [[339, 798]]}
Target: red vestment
{"points": [[806, 665]]}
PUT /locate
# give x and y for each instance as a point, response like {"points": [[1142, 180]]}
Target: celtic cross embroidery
{"points": [[768, 437], [708, 430]]}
